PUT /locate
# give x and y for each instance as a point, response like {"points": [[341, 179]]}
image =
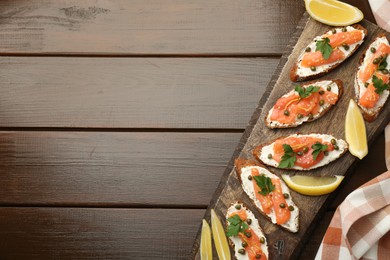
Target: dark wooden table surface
{"points": [[117, 119]]}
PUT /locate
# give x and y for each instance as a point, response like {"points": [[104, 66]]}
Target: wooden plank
{"points": [[112, 169], [311, 208], [310, 248], [131, 93], [88, 233], [143, 27]]}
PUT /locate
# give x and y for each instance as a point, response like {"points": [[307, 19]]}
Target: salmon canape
{"points": [[304, 104], [372, 78], [268, 193], [327, 51], [245, 234], [301, 152]]}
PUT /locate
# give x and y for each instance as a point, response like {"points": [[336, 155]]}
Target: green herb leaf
{"points": [[306, 92], [317, 149], [324, 47], [288, 159], [379, 85], [265, 184], [236, 225], [383, 63]]}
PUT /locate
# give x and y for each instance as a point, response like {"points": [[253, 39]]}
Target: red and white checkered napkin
{"points": [[381, 11], [360, 226]]}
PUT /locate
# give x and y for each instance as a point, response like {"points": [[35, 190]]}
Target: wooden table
{"points": [[118, 118]]}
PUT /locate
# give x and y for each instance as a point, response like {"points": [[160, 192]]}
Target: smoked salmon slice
{"points": [[316, 59], [304, 152], [304, 103], [252, 241], [265, 201], [341, 38], [372, 78], [325, 52], [370, 97], [268, 193], [368, 71]]}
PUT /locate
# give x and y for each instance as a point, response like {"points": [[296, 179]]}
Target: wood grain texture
{"points": [[112, 169], [82, 233], [131, 93], [311, 208], [147, 27], [310, 248]]}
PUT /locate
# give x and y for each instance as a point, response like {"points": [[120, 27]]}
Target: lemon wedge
{"points": [[312, 185], [206, 251], [333, 12], [355, 131], [220, 240]]}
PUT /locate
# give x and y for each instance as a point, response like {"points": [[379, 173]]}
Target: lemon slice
{"points": [[220, 240], [312, 185], [206, 251], [355, 131], [333, 12]]}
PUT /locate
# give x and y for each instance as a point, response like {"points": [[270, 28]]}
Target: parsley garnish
{"points": [[383, 63], [289, 158], [317, 148], [379, 85], [236, 225], [305, 92], [265, 184], [324, 47]]}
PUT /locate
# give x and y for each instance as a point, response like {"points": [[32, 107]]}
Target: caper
{"points": [[308, 49], [334, 31], [313, 68], [366, 84], [286, 196], [311, 116], [249, 221], [269, 156], [321, 92], [238, 206], [333, 141], [299, 116], [290, 208], [286, 112], [385, 71], [322, 102], [328, 88], [250, 177], [244, 244], [248, 234], [258, 256], [346, 46], [376, 60], [299, 153], [344, 29], [326, 153], [262, 240], [336, 147], [305, 149], [241, 251], [372, 49], [282, 205]]}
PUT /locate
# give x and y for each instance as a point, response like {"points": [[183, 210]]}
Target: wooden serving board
{"points": [[283, 244]]}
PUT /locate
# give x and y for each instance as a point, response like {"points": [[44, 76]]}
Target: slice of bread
{"points": [[300, 73], [265, 152], [335, 86], [244, 173], [235, 241], [370, 114]]}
